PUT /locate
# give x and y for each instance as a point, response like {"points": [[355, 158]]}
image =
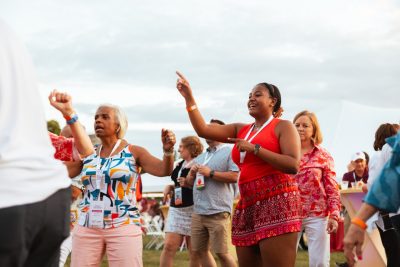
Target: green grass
{"points": [[151, 258]]}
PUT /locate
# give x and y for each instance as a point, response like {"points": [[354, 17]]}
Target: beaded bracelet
{"points": [[71, 119], [360, 223], [169, 153], [68, 117]]}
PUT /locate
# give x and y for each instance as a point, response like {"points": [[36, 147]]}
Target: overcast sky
{"points": [[126, 53]]}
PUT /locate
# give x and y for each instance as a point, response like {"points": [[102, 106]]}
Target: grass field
{"points": [[151, 258]]}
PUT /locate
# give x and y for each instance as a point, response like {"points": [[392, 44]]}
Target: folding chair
{"points": [[153, 229]]}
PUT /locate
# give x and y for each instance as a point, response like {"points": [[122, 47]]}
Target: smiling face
{"points": [[105, 124], [184, 152], [305, 128], [359, 165], [260, 102]]}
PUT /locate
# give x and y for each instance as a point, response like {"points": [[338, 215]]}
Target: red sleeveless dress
{"points": [[269, 202]]}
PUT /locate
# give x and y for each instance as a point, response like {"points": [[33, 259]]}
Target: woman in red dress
{"points": [[267, 217]]}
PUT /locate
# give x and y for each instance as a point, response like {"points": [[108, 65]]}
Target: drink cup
{"points": [[344, 185]]}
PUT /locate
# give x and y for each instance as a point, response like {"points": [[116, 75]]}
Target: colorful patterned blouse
{"points": [[319, 190], [117, 189]]}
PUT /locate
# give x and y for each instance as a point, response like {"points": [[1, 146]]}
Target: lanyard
{"points": [[209, 155], [99, 168], [243, 154], [355, 177], [184, 164]]}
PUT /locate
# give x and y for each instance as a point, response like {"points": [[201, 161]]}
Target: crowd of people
{"points": [[284, 180]]}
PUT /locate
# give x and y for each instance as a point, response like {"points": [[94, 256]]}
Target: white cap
{"points": [[358, 155]]}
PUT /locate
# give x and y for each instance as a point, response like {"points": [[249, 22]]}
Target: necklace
{"points": [[256, 127]]}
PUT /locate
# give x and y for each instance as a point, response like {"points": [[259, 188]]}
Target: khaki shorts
{"points": [[211, 230]]}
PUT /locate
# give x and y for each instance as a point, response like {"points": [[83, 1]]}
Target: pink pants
{"points": [[123, 246]]}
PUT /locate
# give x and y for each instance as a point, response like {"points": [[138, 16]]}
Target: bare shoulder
{"points": [[284, 125]]}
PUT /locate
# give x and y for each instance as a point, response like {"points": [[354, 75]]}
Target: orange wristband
{"points": [[360, 223], [191, 108]]}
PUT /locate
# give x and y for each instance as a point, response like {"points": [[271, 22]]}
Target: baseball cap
{"points": [[358, 155]]}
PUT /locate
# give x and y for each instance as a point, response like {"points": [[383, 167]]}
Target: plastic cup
{"points": [[359, 184], [344, 185]]}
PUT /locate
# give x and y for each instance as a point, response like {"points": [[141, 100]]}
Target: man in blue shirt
{"points": [[213, 177]]}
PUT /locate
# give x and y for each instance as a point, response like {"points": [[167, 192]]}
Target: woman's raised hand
{"points": [[168, 140], [183, 86], [62, 102]]}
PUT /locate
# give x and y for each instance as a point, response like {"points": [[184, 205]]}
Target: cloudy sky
{"points": [[126, 53]]}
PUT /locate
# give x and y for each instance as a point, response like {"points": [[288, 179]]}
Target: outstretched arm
{"points": [[63, 103], [153, 165], [209, 131]]}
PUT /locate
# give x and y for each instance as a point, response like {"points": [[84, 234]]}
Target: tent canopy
{"points": [[350, 127]]}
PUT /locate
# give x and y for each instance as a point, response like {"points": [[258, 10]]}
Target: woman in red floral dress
{"points": [[267, 217]]}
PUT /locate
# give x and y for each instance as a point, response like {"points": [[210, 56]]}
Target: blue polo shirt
{"points": [[216, 196]]}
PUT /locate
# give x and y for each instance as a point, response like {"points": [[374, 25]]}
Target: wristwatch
{"points": [[256, 149], [212, 173]]}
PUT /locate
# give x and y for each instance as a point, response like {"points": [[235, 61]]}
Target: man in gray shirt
{"points": [[213, 202]]}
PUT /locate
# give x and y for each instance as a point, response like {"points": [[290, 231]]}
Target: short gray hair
{"points": [[120, 118]]}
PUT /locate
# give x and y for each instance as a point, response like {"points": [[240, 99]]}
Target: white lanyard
{"points": [[208, 156], [98, 165], [355, 177], [243, 154], [184, 164]]}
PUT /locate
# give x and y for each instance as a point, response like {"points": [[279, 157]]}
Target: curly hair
{"points": [[193, 145]]}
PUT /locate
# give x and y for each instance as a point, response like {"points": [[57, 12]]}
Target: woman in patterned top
{"points": [[109, 217], [320, 195], [267, 216]]}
